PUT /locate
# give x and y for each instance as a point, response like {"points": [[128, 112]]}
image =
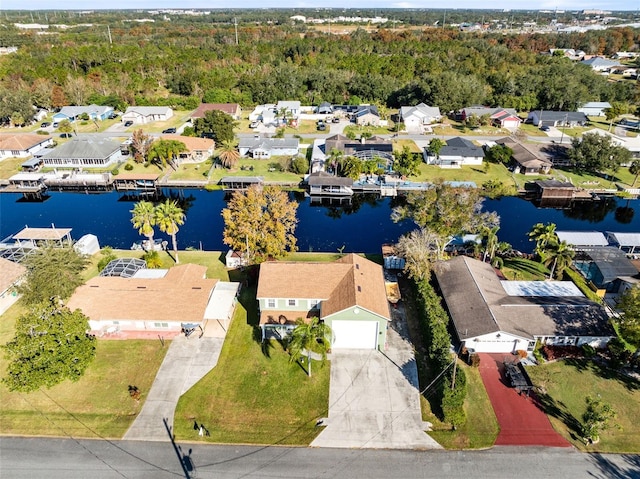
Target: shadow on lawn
{"points": [[559, 410], [601, 370]]}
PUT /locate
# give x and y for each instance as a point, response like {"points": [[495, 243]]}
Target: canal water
{"points": [[361, 227]]}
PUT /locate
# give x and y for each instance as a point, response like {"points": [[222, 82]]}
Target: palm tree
{"points": [[490, 237], [228, 154], [634, 169], [144, 219], [335, 158], [560, 256], [168, 217], [543, 235], [308, 338]]}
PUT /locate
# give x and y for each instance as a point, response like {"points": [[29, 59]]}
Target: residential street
{"points": [[30, 458]]}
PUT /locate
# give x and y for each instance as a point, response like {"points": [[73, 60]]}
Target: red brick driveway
{"points": [[521, 422]]}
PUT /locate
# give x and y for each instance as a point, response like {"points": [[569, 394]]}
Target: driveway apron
{"points": [[186, 362], [521, 422], [374, 400]]}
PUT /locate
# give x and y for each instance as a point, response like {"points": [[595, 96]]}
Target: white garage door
{"points": [[354, 334]]}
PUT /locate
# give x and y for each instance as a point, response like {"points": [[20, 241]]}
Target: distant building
{"points": [[232, 109], [141, 115], [456, 153], [595, 108], [264, 148], [600, 64], [557, 118], [73, 113], [417, 118]]}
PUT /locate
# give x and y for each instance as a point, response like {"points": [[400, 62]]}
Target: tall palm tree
{"points": [[228, 154], [543, 235], [169, 216], [335, 158], [559, 255], [143, 217], [490, 237], [634, 169], [308, 338]]}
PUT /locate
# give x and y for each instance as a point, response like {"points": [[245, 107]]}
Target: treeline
{"points": [[442, 67]]}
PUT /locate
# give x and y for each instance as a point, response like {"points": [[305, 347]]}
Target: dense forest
{"points": [[180, 63]]}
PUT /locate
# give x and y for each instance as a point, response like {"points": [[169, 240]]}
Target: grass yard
{"points": [[374, 130], [466, 173], [192, 171], [260, 168], [567, 383], [254, 395], [481, 428], [177, 120], [96, 406], [398, 145], [521, 269], [10, 166], [531, 130]]}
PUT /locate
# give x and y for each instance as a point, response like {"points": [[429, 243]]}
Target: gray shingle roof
{"points": [[85, 147], [479, 304], [461, 147], [268, 143], [74, 111]]}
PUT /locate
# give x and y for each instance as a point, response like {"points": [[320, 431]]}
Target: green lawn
{"points": [[480, 430], [398, 145], [192, 171], [254, 395], [98, 405], [10, 166], [260, 168], [568, 382], [468, 173], [177, 120], [374, 130], [521, 269]]}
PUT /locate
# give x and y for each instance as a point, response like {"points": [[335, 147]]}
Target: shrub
{"points": [[588, 350], [453, 399], [522, 353], [115, 172], [276, 166], [559, 352], [107, 257], [128, 167], [474, 360], [537, 353], [42, 132], [299, 165], [153, 259]]}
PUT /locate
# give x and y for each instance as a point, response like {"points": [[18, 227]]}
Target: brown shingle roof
{"points": [[351, 280], [228, 108], [182, 295], [192, 143], [21, 141], [10, 272]]}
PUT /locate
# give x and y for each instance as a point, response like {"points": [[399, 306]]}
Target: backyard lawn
{"points": [[10, 166], [254, 395], [565, 386]]}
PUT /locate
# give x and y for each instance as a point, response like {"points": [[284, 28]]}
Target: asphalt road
{"points": [[34, 458]]}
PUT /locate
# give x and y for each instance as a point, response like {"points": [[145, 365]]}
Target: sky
{"points": [[213, 4]]}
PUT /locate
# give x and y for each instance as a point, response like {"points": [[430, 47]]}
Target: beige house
{"points": [[232, 109], [22, 145], [141, 115], [198, 149]]}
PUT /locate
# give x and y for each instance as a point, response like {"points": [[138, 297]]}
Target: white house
{"points": [[595, 108], [456, 153], [147, 114], [289, 107], [267, 147], [84, 152], [600, 64], [417, 118], [94, 112], [22, 145], [495, 316]]}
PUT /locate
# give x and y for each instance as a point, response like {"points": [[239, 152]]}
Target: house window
{"points": [[160, 325], [271, 303], [292, 302], [314, 303]]}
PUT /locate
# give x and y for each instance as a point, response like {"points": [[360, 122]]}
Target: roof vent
{"points": [[196, 287], [357, 266], [359, 289], [141, 287]]}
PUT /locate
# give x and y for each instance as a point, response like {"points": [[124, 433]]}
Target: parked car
{"points": [[253, 124], [335, 120], [55, 124], [169, 130], [113, 116], [45, 124], [321, 126], [545, 128], [128, 123], [65, 135]]}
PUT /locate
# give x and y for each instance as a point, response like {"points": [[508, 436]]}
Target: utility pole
{"points": [[109, 32], [235, 24]]}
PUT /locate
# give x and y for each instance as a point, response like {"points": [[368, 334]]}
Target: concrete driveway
{"points": [[374, 400], [187, 361]]}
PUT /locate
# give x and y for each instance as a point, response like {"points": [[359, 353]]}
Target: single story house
{"points": [[500, 117], [324, 108], [557, 118], [526, 161], [600, 64], [198, 149], [141, 115], [349, 295], [365, 149], [595, 108], [569, 53], [259, 147], [457, 152], [325, 184], [232, 109], [72, 113], [153, 301], [289, 108], [264, 113], [11, 273], [84, 152], [490, 315], [417, 118], [367, 115], [22, 145]]}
